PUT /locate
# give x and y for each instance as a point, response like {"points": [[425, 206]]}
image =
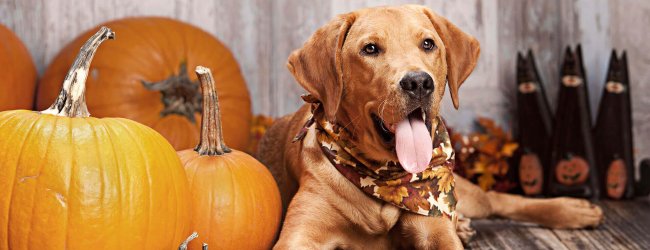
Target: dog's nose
{"points": [[417, 84]]}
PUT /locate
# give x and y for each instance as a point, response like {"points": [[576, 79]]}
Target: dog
{"points": [[369, 71]]}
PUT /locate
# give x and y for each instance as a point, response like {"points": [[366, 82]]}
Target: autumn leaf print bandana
{"points": [[429, 193]]}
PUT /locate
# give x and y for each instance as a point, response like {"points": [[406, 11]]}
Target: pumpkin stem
{"points": [[180, 95], [192, 236], [212, 142], [71, 101]]}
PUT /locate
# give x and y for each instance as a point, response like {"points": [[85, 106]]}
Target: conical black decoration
{"points": [[613, 133], [573, 169], [642, 187], [535, 123]]}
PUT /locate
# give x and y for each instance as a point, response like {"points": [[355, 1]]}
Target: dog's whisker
{"points": [[382, 105], [352, 122]]}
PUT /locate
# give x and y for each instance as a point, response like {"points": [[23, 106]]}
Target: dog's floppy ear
{"points": [[317, 65], [461, 49]]}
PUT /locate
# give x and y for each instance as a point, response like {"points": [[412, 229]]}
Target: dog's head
{"points": [[381, 73]]}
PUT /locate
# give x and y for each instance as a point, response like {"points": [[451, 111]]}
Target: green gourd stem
{"points": [[71, 101], [211, 142]]}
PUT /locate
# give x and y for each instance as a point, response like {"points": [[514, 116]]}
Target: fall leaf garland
{"points": [[483, 155]]}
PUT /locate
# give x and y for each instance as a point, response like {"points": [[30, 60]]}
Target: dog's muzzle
{"points": [[417, 84]]}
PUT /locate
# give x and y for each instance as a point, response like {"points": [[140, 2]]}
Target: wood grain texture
{"points": [[244, 26], [262, 33], [625, 227]]}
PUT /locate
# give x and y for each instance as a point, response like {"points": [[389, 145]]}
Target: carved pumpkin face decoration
{"points": [[572, 171], [616, 179], [530, 174]]}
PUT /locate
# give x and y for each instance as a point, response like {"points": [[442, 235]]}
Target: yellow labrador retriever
{"points": [[380, 74]]}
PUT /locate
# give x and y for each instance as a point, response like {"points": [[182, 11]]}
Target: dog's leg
{"points": [[312, 222], [464, 229], [423, 232], [559, 212]]}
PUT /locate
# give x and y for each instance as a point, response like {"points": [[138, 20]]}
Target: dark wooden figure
{"points": [[535, 124], [642, 187], [613, 133], [573, 171]]}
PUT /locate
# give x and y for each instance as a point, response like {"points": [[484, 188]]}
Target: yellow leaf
{"points": [[486, 181], [509, 148], [394, 194], [428, 174], [394, 182], [479, 167], [493, 168], [445, 179], [490, 147]]}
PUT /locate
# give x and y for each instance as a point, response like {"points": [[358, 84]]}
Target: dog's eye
{"points": [[370, 49], [428, 44]]}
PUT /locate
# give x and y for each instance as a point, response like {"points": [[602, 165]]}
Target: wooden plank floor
{"points": [[627, 226]]}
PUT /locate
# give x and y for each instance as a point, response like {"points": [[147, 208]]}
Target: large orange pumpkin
{"points": [[17, 73], [235, 200], [70, 181], [144, 77]]}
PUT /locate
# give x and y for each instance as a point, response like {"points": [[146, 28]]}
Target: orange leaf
{"points": [[445, 179], [509, 148], [486, 181], [394, 194]]}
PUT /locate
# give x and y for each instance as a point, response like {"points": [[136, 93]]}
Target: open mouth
{"points": [[387, 131], [529, 183]]}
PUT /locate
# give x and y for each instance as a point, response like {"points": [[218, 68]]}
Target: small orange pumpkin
{"points": [[235, 200], [572, 171], [616, 179], [17, 73], [144, 77], [530, 174], [71, 181]]}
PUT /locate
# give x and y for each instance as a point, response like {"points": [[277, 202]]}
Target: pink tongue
{"points": [[413, 144]]}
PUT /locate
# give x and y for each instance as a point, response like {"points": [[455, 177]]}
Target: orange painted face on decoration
{"points": [[530, 174], [572, 171], [616, 179]]}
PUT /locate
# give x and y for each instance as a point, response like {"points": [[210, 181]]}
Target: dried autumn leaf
{"points": [[490, 147], [493, 168], [503, 167], [509, 148], [479, 167], [394, 182], [394, 194], [450, 199], [428, 174], [445, 179], [486, 181], [485, 122], [415, 202]]}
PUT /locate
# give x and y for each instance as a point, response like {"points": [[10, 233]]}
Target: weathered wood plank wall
{"points": [[262, 33]]}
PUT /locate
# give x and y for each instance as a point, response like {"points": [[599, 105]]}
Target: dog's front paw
{"points": [[464, 230], [571, 213]]}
